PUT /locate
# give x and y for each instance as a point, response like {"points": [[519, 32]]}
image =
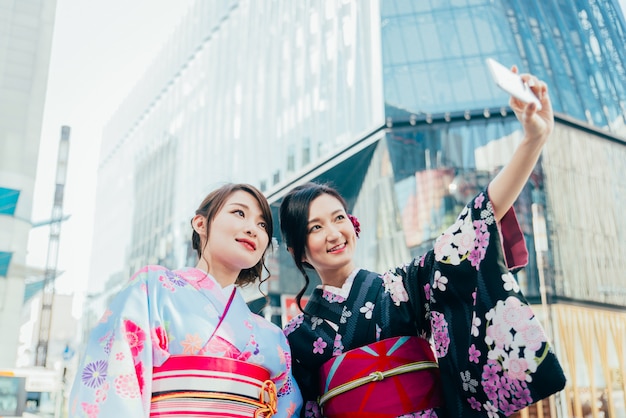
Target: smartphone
{"points": [[512, 83]]}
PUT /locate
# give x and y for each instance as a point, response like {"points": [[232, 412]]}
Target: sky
{"points": [[100, 49]]}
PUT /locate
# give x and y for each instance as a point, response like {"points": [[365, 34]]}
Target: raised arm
{"points": [[507, 185]]}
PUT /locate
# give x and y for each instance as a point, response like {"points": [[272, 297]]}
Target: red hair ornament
{"points": [[356, 224]]}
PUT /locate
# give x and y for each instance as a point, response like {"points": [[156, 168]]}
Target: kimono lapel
{"points": [[232, 315], [236, 326], [357, 330], [346, 314], [223, 315]]}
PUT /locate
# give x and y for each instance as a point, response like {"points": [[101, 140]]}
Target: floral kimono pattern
{"points": [[162, 313], [493, 353]]}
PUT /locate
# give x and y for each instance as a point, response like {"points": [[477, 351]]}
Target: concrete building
{"points": [[25, 42], [392, 102]]}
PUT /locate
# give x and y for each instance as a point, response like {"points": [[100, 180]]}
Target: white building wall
{"points": [[26, 28]]}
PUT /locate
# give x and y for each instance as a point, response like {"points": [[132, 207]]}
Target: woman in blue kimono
{"points": [[175, 343], [448, 334]]}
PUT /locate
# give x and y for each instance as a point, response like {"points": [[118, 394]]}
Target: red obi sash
{"points": [[388, 378], [202, 386]]}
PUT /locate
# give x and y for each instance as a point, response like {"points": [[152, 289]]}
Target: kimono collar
{"points": [[344, 290], [198, 278]]}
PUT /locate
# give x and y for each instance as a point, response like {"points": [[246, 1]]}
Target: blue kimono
{"points": [[161, 313]]}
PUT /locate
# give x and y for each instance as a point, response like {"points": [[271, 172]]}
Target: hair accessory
{"points": [[356, 224]]}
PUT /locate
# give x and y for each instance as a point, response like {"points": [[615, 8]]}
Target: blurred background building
{"points": [[389, 100], [26, 29], [25, 42]]}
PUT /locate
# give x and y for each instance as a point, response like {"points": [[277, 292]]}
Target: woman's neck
{"points": [[336, 277], [224, 278]]}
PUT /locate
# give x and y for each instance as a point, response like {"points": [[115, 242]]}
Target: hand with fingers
{"points": [[538, 123]]}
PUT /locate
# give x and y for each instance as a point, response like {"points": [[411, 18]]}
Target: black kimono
{"points": [[493, 354]]}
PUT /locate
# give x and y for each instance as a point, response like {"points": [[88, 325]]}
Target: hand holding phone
{"points": [[512, 83]]}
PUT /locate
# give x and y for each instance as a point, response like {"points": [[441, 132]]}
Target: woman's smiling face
{"points": [[237, 237], [331, 237]]}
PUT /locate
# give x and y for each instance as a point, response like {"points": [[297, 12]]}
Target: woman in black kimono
{"points": [[447, 334]]}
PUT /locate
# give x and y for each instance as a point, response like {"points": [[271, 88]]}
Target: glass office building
{"points": [[391, 101]]}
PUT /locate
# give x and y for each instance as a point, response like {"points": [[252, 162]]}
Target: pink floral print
{"points": [[91, 410], [394, 286], [319, 345], [337, 346], [293, 324], [515, 338], [474, 354], [332, 297], [126, 386], [135, 337], [101, 394], [440, 333], [478, 201]]}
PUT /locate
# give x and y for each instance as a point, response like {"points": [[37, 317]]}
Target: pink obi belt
{"points": [[388, 378], [202, 386]]}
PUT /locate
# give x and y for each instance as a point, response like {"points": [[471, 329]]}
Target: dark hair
{"points": [[209, 208], [294, 218]]}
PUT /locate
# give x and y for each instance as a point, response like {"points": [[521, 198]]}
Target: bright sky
{"points": [[100, 50]]}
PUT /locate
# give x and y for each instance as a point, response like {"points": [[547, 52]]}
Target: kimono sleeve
{"points": [[289, 397], [494, 355], [114, 376]]}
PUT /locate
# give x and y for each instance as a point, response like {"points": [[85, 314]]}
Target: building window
{"points": [[5, 260], [8, 201], [291, 159], [276, 179], [306, 151]]}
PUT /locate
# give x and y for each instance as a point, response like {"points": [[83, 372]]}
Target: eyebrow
{"points": [[244, 206], [310, 221]]}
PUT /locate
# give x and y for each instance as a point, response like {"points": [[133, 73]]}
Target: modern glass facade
{"points": [[243, 91], [392, 102], [434, 55]]}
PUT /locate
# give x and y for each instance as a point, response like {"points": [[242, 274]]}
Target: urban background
{"points": [[390, 100]]}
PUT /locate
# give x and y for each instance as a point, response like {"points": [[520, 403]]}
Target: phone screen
{"points": [[512, 83]]}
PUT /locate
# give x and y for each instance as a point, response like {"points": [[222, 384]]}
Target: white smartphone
{"points": [[512, 83]]}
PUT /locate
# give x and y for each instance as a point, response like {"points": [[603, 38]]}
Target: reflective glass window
{"points": [[434, 53]]}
